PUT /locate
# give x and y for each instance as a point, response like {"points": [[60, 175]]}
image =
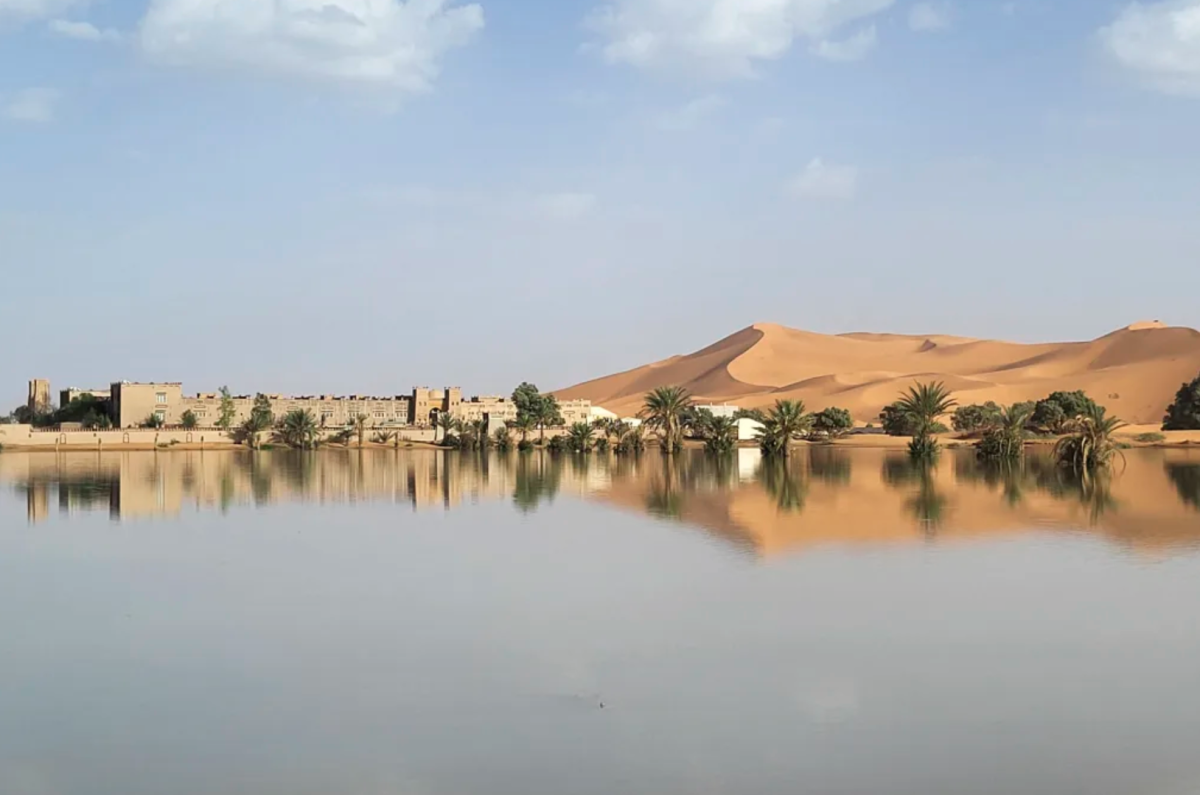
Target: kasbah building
{"points": [[131, 404]]}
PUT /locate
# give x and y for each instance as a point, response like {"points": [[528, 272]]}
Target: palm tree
{"points": [[1005, 441], [251, 428], [524, 424], [448, 424], [1089, 445], [630, 439], [360, 427], [921, 406], [785, 421], [502, 438], [384, 437], [664, 409], [721, 435], [297, 429], [579, 438]]}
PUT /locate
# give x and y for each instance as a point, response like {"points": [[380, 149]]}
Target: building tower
{"points": [[39, 396]]}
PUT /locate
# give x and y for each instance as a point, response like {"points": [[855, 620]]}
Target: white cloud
{"points": [[687, 116], [853, 48], [1160, 42], [821, 180], [566, 206], [723, 38], [928, 16], [84, 31], [35, 9], [34, 105], [389, 43]]}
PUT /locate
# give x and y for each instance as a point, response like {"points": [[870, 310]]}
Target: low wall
{"points": [[27, 436]]}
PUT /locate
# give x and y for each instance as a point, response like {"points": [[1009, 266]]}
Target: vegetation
{"points": [[88, 411], [921, 407], [1089, 445], [502, 438], [721, 435], [261, 412], [523, 425], [1150, 438], [360, 428], [227, 411], [1055, 413], [541, 411], [385, 437], [557, 445], [1004, 438], [154, 421], [976, 418], [579, 438], [189, 421], [1184, 413], [298, 429], [895, 422], [450, 426], [631, 440], [833, 422], [785, 421], [665, 409]]}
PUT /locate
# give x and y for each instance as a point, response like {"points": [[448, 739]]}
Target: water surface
{"points": [[422, 622]]}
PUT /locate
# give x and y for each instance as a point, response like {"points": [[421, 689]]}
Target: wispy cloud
{"points": [[83, 31], [719, 38], [827, 181], [854, 48], [690, 114], [390, 44], [926, 17], [32, 105], [1159, 42]]}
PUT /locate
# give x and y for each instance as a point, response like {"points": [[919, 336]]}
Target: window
{"points": [[160, 398]]}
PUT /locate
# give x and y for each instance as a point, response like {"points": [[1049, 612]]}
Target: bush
{"points": [[1149, 438], [1184, 413], [833, 421], [1054, 412], [558, 444], [525, 445], [895, 422], [970, 419]]}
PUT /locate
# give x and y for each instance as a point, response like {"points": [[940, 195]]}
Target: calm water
{"points": [[416, 623]]}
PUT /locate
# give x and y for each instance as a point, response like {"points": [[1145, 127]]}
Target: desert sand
{"points": [[1134, 371]]}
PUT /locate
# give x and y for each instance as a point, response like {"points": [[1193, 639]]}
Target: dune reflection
{"points": [[821, 496]]}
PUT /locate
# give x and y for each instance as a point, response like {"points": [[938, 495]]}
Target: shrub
{"points": [[973, 418], [1057, 411], [1184, 413], [1149, 438], [525, 445], [833, 421], [557, 444], [895, 422]]}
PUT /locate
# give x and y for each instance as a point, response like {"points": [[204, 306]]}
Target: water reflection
{"points": [[822, 495]]}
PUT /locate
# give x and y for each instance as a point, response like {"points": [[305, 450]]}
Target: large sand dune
{"points": [[1135, 371]]}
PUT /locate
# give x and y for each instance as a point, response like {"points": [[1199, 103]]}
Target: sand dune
{"points": [[1135, 371]]}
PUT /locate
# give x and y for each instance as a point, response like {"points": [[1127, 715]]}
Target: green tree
{"points": [[450, 426], [579, 437], [502, 438], [721, 435], [154, 421], [895, 422], [664, 409], [549, 415], [974, 418], [785, 421], [227, 410], [261, 412], [189, 421], [298, 429], [523, 424], [1057, 411], [922, 405], [1184, 413], [833, 422], [360, 428]]}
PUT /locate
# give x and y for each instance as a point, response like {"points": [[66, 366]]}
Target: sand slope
{"points": [[1135, 371]]}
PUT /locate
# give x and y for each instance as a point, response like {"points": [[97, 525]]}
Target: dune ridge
{"points": [[1135, 371]]}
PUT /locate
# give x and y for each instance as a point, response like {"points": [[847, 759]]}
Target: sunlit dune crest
{"points": [[1134, 371]]}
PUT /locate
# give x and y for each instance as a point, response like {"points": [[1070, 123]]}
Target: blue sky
{"points": [[360, 195]]}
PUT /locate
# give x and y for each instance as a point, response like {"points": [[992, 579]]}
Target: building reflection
{"points": [[820, 496]]}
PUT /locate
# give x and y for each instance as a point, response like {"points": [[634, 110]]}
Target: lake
{"points": [[428, 623]]}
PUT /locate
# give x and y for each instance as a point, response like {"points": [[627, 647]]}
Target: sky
{"points": [[359, 196]]}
